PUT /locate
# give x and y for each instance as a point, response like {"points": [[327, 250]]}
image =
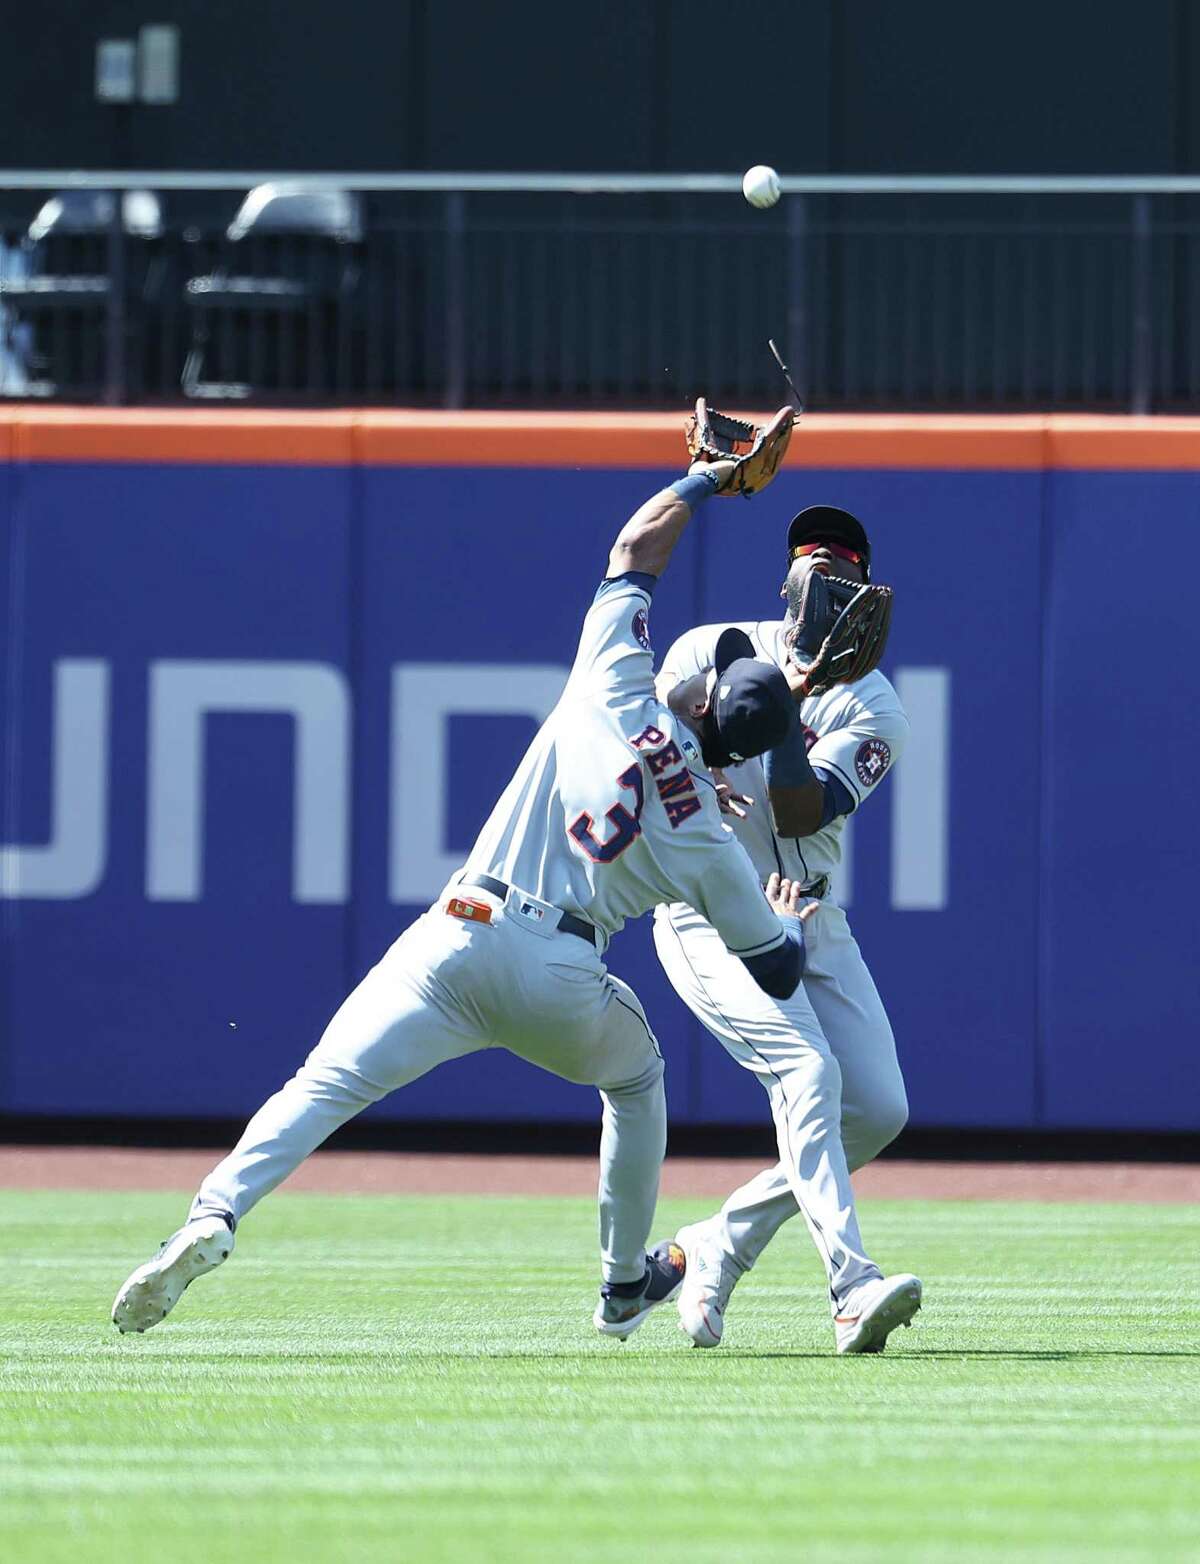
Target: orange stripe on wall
{"points": [[89, 434], [1131, 443], [654, 441]]}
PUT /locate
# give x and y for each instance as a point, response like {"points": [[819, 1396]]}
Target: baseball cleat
{"points": [[710, 1278], [624, 1306], [873, 1311], [156, 1287]]}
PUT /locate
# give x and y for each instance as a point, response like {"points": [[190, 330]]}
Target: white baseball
{"points": [[760, 185]]}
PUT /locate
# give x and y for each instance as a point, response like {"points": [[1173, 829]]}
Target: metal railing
{"points": [[1002, 293]]}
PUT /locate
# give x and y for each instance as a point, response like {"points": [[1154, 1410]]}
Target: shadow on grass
{"points": [[646, 1354], [1012, 1354]]}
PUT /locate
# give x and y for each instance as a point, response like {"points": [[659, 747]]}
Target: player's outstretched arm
{"points": [[647, 540]]}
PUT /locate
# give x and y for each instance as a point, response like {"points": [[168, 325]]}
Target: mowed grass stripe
{"points": [[373, 1378]]}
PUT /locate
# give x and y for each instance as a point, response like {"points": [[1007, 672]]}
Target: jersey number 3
{"points": [[626, 827]]}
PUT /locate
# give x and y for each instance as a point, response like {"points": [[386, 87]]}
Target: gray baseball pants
{"points": [[826, 1058], [447, 988]]}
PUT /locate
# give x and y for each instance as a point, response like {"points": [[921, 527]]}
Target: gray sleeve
{"points": [[861, 754], [723, 886], [614, 644], [692, 651]]}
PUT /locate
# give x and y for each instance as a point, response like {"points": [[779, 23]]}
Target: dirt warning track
{"points": [[407, 1173]]}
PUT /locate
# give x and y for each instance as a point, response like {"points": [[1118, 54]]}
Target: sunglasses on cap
{"points": [[850, 555]]}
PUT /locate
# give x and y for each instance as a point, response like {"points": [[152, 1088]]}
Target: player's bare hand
{"points": [[788, 899], [729, 802], [797, 679], [724, 470]]}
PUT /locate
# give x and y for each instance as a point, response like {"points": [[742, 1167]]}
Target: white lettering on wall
{"points": [[182, 696], [920, 800], [72, 862], [921, 794], [424, 696]]}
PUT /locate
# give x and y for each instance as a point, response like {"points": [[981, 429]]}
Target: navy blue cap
{"points": [[752, 707], [830, 524]]}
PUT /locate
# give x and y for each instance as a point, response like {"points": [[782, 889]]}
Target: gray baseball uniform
{"points": [[609, 814], [826, 1056]]}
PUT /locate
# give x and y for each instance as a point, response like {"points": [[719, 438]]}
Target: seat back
{"points": [[293, 210], [92, 212]]}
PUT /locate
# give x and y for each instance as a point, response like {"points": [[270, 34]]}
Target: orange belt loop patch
{"points": [[473, 911]]}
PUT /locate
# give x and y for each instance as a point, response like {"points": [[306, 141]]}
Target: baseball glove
{"points": [[839, 629], [715, 437]]}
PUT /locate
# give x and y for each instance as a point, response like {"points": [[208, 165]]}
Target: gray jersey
{"points": [[857, 731], [611, 811]]}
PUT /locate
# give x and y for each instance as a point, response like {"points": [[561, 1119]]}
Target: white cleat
{"points": [[710, 1278], [156, 1287], [873, 1311]]}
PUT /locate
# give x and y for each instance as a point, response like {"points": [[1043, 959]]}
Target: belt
{"points": [[818, 890], [568, 923]]}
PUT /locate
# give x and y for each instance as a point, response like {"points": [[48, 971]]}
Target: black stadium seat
{"points": [[271, 318], [81, 255]]}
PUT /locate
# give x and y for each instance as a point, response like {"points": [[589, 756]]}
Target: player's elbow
{"points": [[791, 822], [797, 811]]}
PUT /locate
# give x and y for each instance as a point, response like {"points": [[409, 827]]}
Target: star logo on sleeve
{"points": [[871, 761]]}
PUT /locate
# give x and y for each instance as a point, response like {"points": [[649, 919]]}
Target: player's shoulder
{"points": [[622, 601], [873, 697], [700, 641], [768, 637]]}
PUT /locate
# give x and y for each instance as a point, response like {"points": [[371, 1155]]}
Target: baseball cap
{"points": [[752, 707], [830, 524]]}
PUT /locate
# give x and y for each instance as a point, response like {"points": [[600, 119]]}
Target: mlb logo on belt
{"points": [[531, 910]]}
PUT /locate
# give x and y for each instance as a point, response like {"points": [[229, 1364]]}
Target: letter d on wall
{"points": [[423, 696]]}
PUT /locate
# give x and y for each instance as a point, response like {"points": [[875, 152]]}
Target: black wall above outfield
{"points": [[634, 85]]}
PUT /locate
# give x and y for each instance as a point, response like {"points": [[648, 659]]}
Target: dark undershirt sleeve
{"points": [[778, 972], [637, 578], [838, 798]]}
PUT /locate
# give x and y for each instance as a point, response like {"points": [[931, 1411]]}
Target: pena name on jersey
{"points": [[856, 733], [611, 811]]}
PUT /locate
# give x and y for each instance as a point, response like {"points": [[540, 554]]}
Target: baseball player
{"points": [[610, 812], [825, 1055]]}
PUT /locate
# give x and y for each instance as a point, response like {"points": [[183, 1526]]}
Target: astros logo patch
{"points": [[641, 628], [871, 761]]}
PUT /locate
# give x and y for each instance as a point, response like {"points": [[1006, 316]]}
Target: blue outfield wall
{"points": [[251, 716]]}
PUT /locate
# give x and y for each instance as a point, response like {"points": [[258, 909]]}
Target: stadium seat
{"points": [[56, 301], [271, 319]]}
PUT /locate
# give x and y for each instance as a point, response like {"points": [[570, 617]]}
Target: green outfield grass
{"points": [[418, 1379]]}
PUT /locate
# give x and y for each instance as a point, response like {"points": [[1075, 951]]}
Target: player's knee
{"points": [[338, 1084], [885, 1116], [649, 1082], [645, 1087]]}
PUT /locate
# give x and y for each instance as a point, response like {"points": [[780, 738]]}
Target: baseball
{"points": [[760, 185]]}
